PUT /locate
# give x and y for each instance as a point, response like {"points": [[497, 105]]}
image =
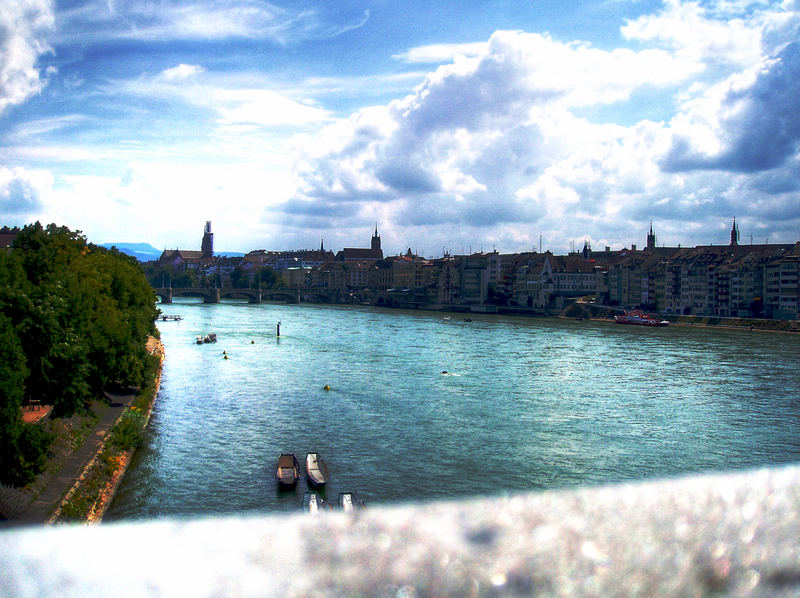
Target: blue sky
{"points": [[454, 126]]}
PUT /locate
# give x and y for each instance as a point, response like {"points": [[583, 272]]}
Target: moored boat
{"points": [[316, 470], [211, 337], [350, 501], [287, 470], [639, 318], [314, 503]]}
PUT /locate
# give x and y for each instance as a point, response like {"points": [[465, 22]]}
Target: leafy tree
{"points": [[82, 314], [23, 447]]}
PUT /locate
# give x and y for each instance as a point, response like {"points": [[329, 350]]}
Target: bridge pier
{"points": [[211, 296]]}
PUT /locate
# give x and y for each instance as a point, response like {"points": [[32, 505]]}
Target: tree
{"points": [[23, 447], [82, 314]]}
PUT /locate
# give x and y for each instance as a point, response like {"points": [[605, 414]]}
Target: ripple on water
{"points": [[526, 404]]}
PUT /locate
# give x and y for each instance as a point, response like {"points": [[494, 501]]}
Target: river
{"points": [[428, 406]]}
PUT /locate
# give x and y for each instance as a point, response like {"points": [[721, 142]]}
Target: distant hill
{"points": [[144, 252]]}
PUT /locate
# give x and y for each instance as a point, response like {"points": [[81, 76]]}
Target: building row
{"points": [[727, 280]]}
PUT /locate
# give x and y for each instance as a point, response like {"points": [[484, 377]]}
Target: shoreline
{"points": [[103, 495], [100, 510]]}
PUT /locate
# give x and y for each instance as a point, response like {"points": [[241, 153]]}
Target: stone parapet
{"points": [[734, 534]]}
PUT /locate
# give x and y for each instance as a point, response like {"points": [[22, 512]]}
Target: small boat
{"points": [[314, 503], [316, 470], [287, 471], [211, 337], [350, 501], [170, 318], [639, 318]]}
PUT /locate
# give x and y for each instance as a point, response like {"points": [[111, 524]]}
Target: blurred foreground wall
{"points": [[733, 534]]}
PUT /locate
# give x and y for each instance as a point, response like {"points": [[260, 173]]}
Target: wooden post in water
{"points": [[278, 329]]}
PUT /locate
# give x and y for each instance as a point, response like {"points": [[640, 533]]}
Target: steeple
{"points": [[376, 240], [207, 247], [651, 237], [734, 234], [321, 245]]}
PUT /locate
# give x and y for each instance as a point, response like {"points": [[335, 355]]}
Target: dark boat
{"points": [[316, 470], [314, 503], [350, 501], [287, 471]]}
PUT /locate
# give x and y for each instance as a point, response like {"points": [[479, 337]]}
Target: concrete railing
{"points": [[736, 534]]}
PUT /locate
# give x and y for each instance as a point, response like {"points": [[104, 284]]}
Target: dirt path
{"points": [[48, 500]]}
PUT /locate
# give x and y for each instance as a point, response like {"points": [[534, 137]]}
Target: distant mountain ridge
{"points": [[144, 252]]}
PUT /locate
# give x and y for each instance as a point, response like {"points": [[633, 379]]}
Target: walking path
{"points": [[48, 500]]}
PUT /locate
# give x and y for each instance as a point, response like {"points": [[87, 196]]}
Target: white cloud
{"points": [[24, 29], [154, 196], [198, 20], [21, 192], [439, 53], [491, 141], [233, 104], [182, 72], [722, 33]]}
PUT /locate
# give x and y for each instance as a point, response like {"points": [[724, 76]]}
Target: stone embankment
{"points": [[590, 311], [101, 477]]}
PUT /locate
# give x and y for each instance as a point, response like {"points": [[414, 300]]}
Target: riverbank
{"points": [[87, 460], [591, 311], [90, 496]]}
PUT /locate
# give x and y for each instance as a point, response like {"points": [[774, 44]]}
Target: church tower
{"points": [[734, 234], [376, 240], [651, 238], [207, 248]]}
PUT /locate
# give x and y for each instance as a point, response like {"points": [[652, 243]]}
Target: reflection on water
{"points": [[526, 404]]}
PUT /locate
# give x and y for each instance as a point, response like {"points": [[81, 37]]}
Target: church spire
{"points": [[651, 237], [376, 240], [734, 234]]}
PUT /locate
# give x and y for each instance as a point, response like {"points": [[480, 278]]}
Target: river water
{"points": [[423, 406]]}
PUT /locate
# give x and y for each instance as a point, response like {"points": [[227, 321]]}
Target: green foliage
{"points": [[127, 432], [76, 319], [23, 447]]}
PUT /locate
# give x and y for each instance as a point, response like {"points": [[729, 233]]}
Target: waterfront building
{"points": [[359, 254], [183, 259], [782, 284], [449, 281], [282, 260], [730, 280]]}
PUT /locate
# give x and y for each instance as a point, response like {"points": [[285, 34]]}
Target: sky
{"points": [[452, 126]]}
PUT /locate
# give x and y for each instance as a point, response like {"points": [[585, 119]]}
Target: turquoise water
{"points": [[525, 404]]}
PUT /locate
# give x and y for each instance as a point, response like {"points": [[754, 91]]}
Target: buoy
{"points": [[252, 342], [224, 357], [326, 387], [444, 371]]}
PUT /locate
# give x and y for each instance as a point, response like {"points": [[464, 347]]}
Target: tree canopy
{"points": [[75, 321]]}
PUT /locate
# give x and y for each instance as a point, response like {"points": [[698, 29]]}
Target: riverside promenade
{"points": [[43, 506]]}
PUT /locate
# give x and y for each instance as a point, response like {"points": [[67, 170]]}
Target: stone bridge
{"points": [[215, 295]]}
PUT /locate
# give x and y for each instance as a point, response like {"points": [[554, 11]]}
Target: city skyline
{"points": [[455, 127]]}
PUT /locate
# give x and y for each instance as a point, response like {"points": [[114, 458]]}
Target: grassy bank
{"points": [[90, 496]]}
